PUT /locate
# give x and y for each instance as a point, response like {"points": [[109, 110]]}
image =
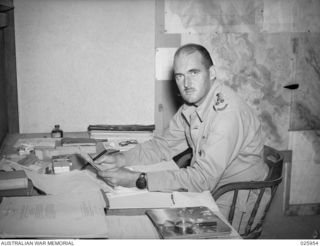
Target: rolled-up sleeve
{"points": [[214, 154]]}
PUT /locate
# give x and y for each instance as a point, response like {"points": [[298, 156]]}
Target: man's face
{"points": [[192, 77]]}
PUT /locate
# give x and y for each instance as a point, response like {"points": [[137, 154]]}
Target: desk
{"points": [[125, 218], [128, 223]]}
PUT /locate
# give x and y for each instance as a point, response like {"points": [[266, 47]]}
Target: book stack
{"points": [[121, 137], [14, 183]]}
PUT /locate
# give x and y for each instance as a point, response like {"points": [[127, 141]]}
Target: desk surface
{"points": [[127, 224], [131, 223]]}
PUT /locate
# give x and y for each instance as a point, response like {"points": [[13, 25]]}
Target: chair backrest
{"points": [[274, 160], [184, 158]]}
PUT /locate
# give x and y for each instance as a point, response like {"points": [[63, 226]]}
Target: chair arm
{"points": [[251, 185]]}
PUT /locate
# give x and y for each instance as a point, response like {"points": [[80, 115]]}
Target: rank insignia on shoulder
{"points": [[220, 103], [220, 98]]}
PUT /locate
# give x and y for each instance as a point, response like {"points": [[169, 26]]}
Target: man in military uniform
{"points": [[221, 129]]}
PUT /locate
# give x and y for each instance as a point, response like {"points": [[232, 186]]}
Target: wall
{"points": [[82, 62]]}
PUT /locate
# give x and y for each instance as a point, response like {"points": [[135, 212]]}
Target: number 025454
{"points": [[309, 243]]}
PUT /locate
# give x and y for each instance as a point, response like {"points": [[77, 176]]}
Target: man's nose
{"points": [[187, 82]]}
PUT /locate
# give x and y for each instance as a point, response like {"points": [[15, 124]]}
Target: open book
{"points": [[188, 222]]}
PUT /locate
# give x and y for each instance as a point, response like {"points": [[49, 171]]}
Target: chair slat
{"points": [[233, 206], [254, 211]]}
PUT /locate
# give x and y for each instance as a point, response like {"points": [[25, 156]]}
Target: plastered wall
{"points": [[82, 62]]}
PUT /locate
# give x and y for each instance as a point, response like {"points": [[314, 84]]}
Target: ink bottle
{"points": [[56, 132]]}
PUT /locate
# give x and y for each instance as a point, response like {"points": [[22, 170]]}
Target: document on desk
{"points": [[69, 215], [79, 180], [74, 181]]}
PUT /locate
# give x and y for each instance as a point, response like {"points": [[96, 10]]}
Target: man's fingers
{"points": [[108, 182], [106, 159], [107, 167], [108, 173]]}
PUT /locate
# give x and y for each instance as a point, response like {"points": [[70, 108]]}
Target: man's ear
{"points": [[212, 72]]}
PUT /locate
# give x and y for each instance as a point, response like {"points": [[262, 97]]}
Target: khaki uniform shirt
{"points": [[225, 136]]}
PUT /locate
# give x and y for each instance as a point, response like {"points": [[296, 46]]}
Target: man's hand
{"points": [[119, 176], [111, 161]]}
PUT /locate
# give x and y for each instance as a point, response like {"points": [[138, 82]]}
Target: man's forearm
{"points": [[149, 152]]}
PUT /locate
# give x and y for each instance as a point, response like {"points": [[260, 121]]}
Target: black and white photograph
{"points": [[117, 116]]}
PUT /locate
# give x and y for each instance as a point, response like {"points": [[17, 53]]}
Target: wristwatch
{"points": [[141, 182]]}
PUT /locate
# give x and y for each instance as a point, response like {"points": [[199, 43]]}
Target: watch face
{"points": [[141, 182]]}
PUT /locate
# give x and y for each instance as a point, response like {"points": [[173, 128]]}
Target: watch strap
{"points": [[141, 182]]}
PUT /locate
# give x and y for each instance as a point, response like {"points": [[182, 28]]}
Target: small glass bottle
{"points": [[56, 132]]}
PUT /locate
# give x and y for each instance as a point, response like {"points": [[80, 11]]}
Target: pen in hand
{"points": [[89, 160], [106, 151]]}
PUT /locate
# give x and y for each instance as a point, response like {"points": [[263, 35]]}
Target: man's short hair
{"points": [[190, 48]]}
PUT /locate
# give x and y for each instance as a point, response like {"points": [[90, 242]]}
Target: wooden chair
{"points": [[274, 160], [184, 158]]}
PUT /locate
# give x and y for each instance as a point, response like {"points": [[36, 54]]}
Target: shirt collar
{"points": [[202, 110]]}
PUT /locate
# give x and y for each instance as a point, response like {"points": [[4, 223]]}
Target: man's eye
{"points": [[194, 72], [179, 77]]}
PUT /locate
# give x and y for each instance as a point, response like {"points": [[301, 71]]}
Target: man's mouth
{"points": [[189, 91]]}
